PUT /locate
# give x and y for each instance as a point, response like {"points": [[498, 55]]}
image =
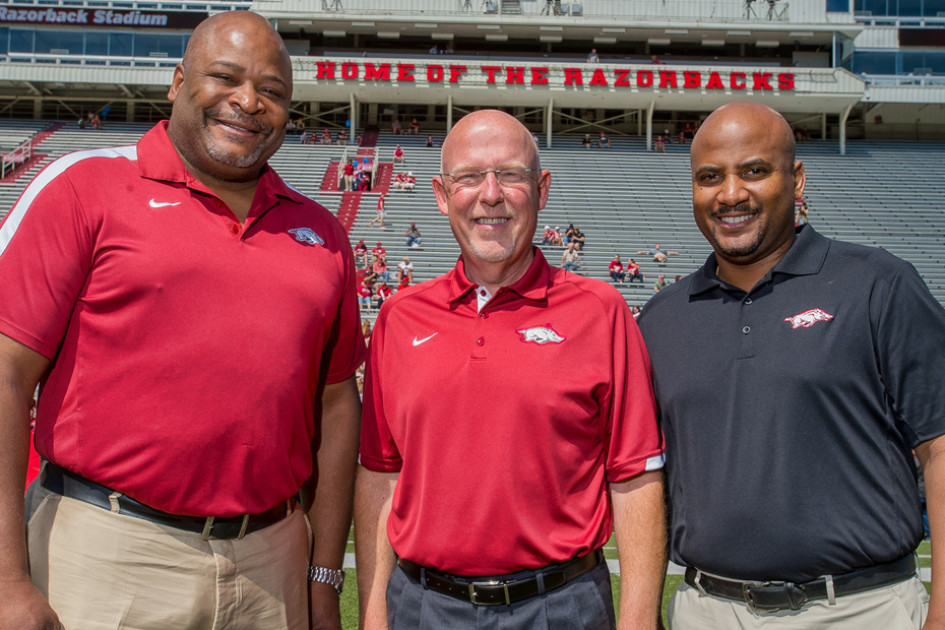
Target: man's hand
{"points": [[23, 607], [324, 609]]}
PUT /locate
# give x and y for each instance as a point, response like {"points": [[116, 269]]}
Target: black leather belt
{"points": [[68, 484], [497, 590], [770, 596]]}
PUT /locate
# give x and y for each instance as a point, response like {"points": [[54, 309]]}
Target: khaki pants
{"points": [[102, 571], [901, 606]]}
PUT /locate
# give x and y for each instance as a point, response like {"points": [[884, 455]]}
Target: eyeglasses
{"points": [[505, 177]]}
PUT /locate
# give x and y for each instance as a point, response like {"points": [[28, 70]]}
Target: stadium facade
{"points": [[837, 68]]}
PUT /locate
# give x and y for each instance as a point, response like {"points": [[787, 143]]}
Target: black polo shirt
{"points": [[790, 411]]}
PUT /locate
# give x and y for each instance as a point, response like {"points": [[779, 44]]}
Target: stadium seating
{"points": [[885, 194]]}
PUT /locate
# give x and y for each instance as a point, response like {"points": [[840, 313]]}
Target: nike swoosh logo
{"points": [[417, 342], [162, 204]]}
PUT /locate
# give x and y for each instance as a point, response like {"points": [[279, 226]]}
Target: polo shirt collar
{"points": [[533, 285], [805, 257], [158, 159]]}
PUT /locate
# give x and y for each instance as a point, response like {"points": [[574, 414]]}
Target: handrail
{"points": [[20, 155]]}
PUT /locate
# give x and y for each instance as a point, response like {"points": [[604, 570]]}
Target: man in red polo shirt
{"points": [[495, 468], [192, 376]]}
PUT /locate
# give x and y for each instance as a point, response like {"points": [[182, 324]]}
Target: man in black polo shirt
{"points": [[794, 375]]}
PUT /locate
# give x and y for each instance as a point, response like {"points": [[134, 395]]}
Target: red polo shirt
{"points": [[510, 422], [188, 349]]}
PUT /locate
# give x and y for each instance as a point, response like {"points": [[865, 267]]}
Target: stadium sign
{"points": [[100, 17], [566, 76]]}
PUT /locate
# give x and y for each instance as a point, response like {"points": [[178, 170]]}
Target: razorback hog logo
{"points": [[307, 235], [540, 335], [808, 318]]}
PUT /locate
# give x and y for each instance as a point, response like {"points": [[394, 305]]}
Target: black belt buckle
{"points": [[773, 596], [492, 584]]}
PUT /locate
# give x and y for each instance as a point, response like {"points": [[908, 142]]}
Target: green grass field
{"points": [[349, 599]]}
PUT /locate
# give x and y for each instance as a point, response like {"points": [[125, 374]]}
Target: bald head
{"points": [[489, 122], [243, 28], [742, 116]]}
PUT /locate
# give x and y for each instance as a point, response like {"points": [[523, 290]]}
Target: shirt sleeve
{"points": [[46, 252], [633, 441], [378, 451], [910, 331]]}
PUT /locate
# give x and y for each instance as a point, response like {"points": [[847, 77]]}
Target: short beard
{"points": [[229, 159], [490, 254]]}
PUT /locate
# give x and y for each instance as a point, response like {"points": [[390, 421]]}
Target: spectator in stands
{"points": [[96, 122], [635, 311], [367, 167], [326, 136], [413, 236], [366, 331], [395, 128], [547, 235], [593, 57], [398, 155], [656, 61], [586, 142], [659, 145], [558, 238], [569, 233], [365, 293], [378, 250], [677, 278], [303, 137], [383, 292], [633, 271], [659, 255], [400, 181], [617, 274], [403, 283], [603, 142], [410, 182], [369, 274], [414, 127], [380, 268], [405, 269], [342, 137], [381, 213], [571, 258], [290, 128], [660, 284], [361, 253], [348, 174], [577, 237], [430, 142], [800, 212]]}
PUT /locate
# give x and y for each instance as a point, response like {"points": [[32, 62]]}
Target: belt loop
{"points": [[423, 577], [698, 582], [244, 526], [207, 528], [539, 579], [831, 595], [113, 502]]}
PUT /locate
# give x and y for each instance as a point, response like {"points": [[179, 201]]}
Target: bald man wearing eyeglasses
{"points": [[493, 471]]}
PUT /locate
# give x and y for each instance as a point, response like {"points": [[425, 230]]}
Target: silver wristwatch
{"points": [[334, 577]]}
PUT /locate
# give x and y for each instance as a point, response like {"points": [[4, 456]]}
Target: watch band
{"points": [[333, 577]]}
